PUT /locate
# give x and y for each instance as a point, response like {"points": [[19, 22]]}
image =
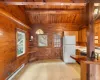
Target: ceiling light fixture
{"points": [[61, 3], [96, 11], [1, 33]]}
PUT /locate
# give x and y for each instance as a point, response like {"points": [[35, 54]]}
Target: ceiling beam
{"points": [[55, 11], [44, 0], [79, 1], [44, 3], [74, 24], [93, 1], [72, 1], [9, 16]]}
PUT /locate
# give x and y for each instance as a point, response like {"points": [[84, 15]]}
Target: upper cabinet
{"points": [[82, 35], [96, 29], [97, 33], [79, 36], [72, 33]]}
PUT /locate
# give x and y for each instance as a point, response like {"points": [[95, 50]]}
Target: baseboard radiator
{"points": [[14, 73]]}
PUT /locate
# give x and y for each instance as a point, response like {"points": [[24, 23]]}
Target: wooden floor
{"points": [[49, 70]]}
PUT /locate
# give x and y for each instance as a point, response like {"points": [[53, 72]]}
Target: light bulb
{"points": [[96, 11], [1, 33]]}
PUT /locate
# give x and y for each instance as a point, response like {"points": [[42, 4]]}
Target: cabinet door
{"points": [[97, 32], [96, 29], [97, 72], [80, 36], [83, 71], [1, 69], [84, 35]]}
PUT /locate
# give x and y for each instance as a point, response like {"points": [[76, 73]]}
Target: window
{"points": [[20, 43], [57, 40], [42, 40], [39, 31], [96, 39]]}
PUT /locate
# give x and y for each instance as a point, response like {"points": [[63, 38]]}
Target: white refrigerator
{"points": [[69, 45]]}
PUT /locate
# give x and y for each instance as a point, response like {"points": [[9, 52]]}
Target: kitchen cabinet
{"points": [[72, 33]]}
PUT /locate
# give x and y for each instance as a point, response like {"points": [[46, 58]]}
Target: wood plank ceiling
{"points": [[66, 12], [72, 15], [71, 1], [47, 0]]}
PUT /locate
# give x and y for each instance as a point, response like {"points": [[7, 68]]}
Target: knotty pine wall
{"points": [[49, 52], [16, 11], [9, 61], [83, 35], [97, 31]]}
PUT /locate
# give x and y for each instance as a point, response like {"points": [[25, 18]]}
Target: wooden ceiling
{"points": [[45, 12], [48, 17], [69, 1], [56, 14], [54, 7], [47, 0], [66, 12]]}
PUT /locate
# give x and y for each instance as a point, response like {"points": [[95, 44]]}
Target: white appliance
{"points": [[69, 45]]}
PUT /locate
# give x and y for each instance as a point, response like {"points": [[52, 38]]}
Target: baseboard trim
{"points": [[16, 72]]}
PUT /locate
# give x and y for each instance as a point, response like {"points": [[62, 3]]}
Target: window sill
{"points": [[20, 54]]}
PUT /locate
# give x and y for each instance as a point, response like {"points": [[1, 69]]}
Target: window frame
{"points": [[96, 39], [56, 43], [46, 39], [38, 33], [22, 31]]}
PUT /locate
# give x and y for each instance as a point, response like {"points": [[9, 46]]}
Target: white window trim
{"points": [[23, 45]]}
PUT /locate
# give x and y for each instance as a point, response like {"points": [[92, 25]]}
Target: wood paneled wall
{"points": [[49, 52], [16, 11], [82, 37], [97, 32], [9, 61], [82, 34], [72, 33]]}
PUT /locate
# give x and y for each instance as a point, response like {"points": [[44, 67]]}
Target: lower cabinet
{"points": [[93, 73]]}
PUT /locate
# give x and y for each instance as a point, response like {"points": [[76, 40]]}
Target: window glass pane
{"points": [[42, 40], [20, 43], [39, 31], [57, 40]]}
